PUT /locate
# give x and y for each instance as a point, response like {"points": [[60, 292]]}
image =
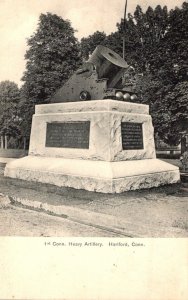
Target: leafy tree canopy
{"points": [[52, 56], [9, 92], [9, 98]]}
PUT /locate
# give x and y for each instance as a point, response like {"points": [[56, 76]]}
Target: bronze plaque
{"points": [[132, 136], [68, 135]]}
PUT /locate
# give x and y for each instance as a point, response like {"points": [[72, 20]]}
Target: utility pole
{"points": [[124, 29]]}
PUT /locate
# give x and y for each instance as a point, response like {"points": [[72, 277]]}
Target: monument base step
{"points": [[99, 176]]}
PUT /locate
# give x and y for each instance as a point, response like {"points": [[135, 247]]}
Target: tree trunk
{"points": [[6, 141], [184, 144], [24, 143], [2, 142]]}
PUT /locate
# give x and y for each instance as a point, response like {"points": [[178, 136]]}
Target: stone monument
{"points": [[91, 137]]}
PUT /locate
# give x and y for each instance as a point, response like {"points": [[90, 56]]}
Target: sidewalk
{"points": [[158, 212]]}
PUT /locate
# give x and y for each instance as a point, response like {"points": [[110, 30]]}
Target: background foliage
{"points": [[9, 99]]}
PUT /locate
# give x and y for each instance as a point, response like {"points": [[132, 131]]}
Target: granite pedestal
{"points": [[104, 145]]}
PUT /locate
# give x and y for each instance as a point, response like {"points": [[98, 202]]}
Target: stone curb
{"points": [[94, 219]]}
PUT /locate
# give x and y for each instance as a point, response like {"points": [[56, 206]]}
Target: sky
{"points": [[19, 19]]}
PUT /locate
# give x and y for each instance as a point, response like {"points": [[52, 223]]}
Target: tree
{"points": [[26, 110], [9, 99], [161, 42], [172, 118], [52, 56]]}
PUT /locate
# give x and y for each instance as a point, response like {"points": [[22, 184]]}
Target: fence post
{"points": [[24, 142], [2, 142], [6, 141]]}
